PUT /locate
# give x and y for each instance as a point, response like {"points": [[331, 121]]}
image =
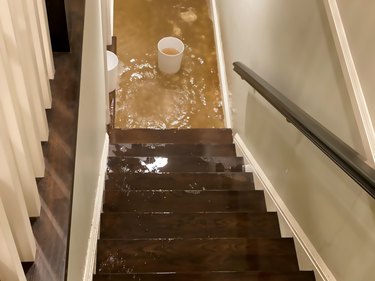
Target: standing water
{"points": [[146, 97]]}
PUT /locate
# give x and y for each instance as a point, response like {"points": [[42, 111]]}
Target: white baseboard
{"points": [[308, 257], [221, 64], [95, 224]]}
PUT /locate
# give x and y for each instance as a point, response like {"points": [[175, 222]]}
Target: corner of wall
{"points": [[221, 64]]}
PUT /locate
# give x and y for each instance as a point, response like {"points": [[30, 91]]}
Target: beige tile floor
{"points": [[149, 99]]}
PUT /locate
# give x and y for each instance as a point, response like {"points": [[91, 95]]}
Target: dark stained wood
{"points": [[112, 110], [26, 266], [211, 276], [126, 150], [190, 225], [181, 136], [58, 25], [193, 255], [181, 181], [184, 201], [112, 95], [51, 230], [178, 208], [113, 46], [174, 164]]}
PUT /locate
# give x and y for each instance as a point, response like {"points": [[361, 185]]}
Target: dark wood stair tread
{"points": [[184, 201], [122, 150], [181, 181], [191, 225], [178, 207], [194, 255], [182, 136], [174, 164], [211, 276]]}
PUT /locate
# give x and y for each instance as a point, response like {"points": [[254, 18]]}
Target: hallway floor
{"points": [[149, 99]]}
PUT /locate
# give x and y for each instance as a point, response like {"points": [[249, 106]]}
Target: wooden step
{"points": [[174, 164], [180, 181], [196, 255], [123, 150], [178, 207], [192, 225], [211, 276], [183, 201], [181, 136]]}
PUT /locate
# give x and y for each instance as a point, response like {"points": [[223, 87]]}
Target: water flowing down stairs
{"points": [[178, 207]]}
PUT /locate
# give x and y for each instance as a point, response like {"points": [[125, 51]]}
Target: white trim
{"points": [[42, 10], [95, 224], [111, 4], [317, 264], [10, 263], [36, 30], [221, 65], [353, 83]]}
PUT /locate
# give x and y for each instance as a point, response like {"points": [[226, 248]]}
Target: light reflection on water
{"points": [[154, 167], [149, 99]]}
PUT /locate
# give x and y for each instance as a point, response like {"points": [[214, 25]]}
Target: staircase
{"points": [[179, 207]]}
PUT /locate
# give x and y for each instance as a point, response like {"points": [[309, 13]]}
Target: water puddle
{"points": [[150, 99]]}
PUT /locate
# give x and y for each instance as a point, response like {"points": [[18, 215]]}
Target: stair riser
{"points": [[180, 181], [176, 136], [165, 150], [175, 164], [141, 226], [223, 276], [184, 201], [196, 255]]}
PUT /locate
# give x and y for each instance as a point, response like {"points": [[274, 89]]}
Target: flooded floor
{"points": [[149, 99]]}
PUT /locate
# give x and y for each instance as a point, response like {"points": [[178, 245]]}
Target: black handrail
{"points": [[338, 151]]}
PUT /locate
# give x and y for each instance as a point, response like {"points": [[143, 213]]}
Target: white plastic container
{"points": [[112, 71], [170, 62]]}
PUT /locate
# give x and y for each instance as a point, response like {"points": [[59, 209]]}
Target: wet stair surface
{"points": [[178, 206]]}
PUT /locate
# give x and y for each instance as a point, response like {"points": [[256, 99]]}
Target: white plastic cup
{"points": [[112, 71], [170, 63]]}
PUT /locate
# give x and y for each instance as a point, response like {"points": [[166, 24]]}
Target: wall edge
{"points": [[221, 64], [95, 224], [353, 83]]}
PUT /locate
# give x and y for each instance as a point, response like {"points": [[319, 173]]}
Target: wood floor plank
{"points": [[191, 225], [174, 164], [184, 201], [177, 136], [192, 255], [180, 181], [52, 228]]}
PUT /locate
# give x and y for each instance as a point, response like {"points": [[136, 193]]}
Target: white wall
{"points": [[90, 138], [292, 39], [290, 45], [359, 21]]}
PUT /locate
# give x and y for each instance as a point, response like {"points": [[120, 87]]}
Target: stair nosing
{"points": [[208, 272], [200, 239], [179, 213]]}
